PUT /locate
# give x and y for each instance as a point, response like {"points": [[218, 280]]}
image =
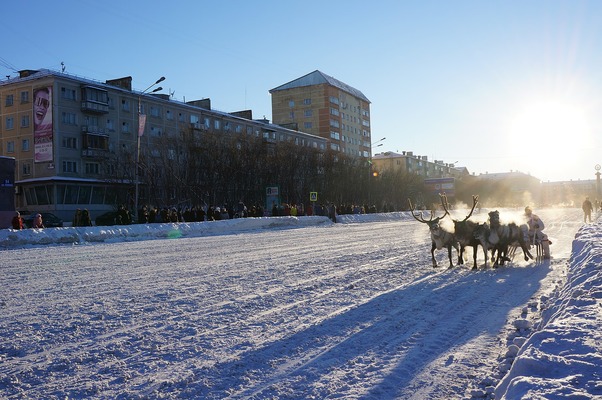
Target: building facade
{"points": [[324, 106], [407, 162], [68, 135]]}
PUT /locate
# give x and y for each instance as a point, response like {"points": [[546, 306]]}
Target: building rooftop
{"points": [[317, 78]]}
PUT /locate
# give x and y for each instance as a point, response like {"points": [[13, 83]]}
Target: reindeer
{"points": [[464, 231], [504, 236], [489, 241], [440, 238]]}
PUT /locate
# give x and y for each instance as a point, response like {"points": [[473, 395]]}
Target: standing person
{"points": [[84, 219], [332, 212], [77, 218], [17, 221], [37, 222], [587, 208]]}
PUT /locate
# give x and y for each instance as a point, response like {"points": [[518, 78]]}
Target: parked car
{"points": [[48, 219], [106, 219]]}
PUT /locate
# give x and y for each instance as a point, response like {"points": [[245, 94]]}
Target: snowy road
{"points": [[344, 311]]}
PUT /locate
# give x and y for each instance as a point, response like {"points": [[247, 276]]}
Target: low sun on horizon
{"points": [[553, 136]]}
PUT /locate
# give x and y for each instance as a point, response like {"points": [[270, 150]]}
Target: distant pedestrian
{"points": [[587, 208], [17, 221], [77, 218], [332, 212], [84, 219], [37, 222]]}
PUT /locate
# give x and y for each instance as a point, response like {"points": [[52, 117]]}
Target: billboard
{"points": [[42, 124], [441, 185]]}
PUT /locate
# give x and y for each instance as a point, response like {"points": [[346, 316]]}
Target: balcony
{"points": [[93, 129], [95, 108], [94, 153]]}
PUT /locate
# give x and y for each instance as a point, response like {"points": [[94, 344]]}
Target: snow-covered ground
{"points": [[295, 308]]}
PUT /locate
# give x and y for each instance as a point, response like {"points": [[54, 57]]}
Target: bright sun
{"points": [[552, 126]]}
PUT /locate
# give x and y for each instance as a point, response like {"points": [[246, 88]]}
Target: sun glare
{"points": [[553, 126], [555, 136]]}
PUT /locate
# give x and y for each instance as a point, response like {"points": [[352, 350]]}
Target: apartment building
{"points": [[324, 106], [408, 162], [68, 134]]}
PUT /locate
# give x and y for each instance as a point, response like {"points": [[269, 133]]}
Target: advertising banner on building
{"points": [[42, 123], [441, 185]]}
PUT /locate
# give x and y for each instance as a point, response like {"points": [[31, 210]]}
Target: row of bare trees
{"points": [[209, 168]]}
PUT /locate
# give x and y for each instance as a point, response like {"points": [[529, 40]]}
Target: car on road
{"points": [[48, 219]]}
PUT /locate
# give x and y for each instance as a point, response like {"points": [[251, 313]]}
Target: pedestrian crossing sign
{"points": [[313, 196]]}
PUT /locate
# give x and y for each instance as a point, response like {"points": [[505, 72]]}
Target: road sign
{"points": [[313, 196]]}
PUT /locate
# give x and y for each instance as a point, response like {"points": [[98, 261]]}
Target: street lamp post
{"points": [[376, 144], [141, 124]]}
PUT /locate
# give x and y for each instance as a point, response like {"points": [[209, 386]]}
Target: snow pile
{"points": [[120, 233], [563, 357]]}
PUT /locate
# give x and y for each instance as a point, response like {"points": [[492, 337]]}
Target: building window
{"points": [[69, 142], [195, 121], [308, 113], [169, 115], [67, 94], [291, 103], [335, 135], [307, 101], [334, 123], [92, 168], [26, 169], [110, 125], [181, 117], [10, 123], [94, 94], [95, 142], [227, 126], [238, 128], [68, 118], [125, 105], [292, 115], [69, 166], [25, 145], [307, 125], [10, 147], [9, 100], [334, 111], [155, 111], [155, 131], [25, 121], [125, 127], [24, 97], [334, 100], [217, 124]]}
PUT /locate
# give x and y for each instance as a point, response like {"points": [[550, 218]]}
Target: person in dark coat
{"points": [[17, 221]]}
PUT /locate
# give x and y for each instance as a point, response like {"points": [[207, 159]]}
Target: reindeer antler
{"points": [[444, 203], [475, 200], [420, 218]]}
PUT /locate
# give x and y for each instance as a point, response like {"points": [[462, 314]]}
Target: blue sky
{"points": [[494, 85]]}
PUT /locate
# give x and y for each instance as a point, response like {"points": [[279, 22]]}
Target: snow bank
{"points": [[563, 357], [120, 233], [12, 238]]}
